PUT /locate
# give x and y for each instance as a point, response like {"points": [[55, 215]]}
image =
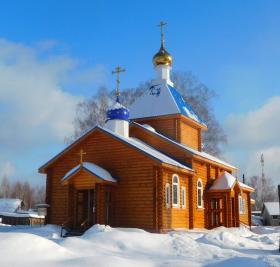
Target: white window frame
{"points": [[176, 205], [183, 192], [242, 208], [167, 195], [197, 189]]}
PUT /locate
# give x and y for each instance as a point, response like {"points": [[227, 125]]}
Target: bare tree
{"points": [[5, 187], [30, 195], [265, 190], [93, 111]]}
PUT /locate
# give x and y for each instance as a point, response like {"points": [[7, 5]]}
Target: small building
{"points": [[11, 205], [271, 213], [12, 213]]}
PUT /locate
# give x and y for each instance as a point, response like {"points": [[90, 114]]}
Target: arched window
{"points": [[175, 191], [199, 194], [183, 190], [167, 195]]}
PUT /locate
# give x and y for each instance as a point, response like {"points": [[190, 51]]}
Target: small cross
{"points": [[161, 25], [81, 153], [117, 71]]}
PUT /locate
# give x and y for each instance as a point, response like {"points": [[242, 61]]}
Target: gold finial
{"points": [[117, 71], [162, 57], [81, 154], [161, 25]]}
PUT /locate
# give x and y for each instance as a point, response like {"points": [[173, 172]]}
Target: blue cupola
{"points": [[117, 112]]}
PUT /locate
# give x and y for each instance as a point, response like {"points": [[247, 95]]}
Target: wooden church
{"points": [[145, 168]]}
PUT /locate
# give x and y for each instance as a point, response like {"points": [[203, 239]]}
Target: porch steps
{"points": [[68, 232], [72, 233]]}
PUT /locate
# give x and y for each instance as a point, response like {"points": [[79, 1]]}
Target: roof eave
{"points": [[178, 169], [224, 166]]}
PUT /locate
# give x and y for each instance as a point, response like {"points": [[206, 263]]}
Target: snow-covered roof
{"points": [[162, 99], [144, 148], [10, 204], [226, 181], [272, 208], [92, 168], [147, 149], [191, 150], [245, 186]]}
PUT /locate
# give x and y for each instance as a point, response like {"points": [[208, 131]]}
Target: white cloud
{"points": [[259, 128], [272, 162], [253, 133], [7, 169], [35, 109], [33, 100]]}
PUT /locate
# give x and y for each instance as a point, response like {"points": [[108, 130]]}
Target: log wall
{"points": [[134, 194]]}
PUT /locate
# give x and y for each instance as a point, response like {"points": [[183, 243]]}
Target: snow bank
{"points": [[122, 247]]}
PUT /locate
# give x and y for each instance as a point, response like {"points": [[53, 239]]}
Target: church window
{"points": [[175, 191], [167, 195], [199, 194], [241, 205]]}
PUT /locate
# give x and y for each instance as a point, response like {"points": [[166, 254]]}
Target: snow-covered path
{"points": [[104, 246]]}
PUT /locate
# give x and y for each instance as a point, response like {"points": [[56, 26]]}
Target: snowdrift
{"points": [[105, 246]]}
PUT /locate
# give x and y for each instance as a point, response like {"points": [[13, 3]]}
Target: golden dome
{"points": [[162, 57]]}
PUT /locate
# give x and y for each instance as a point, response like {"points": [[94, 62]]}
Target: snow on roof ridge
{"points": [[200, 153], [148, 149], [94, 169]]}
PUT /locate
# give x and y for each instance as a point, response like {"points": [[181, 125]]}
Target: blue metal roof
{"points": [[183, 106]]}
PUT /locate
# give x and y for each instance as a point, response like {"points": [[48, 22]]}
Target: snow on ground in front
{"points": [[105, 246]]}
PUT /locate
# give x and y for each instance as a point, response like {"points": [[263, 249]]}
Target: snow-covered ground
{"points": [[104, 246]]}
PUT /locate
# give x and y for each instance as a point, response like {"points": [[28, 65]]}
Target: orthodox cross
{"points": [[81, 153], [161, 25], [117, 71]]}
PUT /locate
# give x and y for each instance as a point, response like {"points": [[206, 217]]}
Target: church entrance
{"points": [[85, 208], [216, 212]]}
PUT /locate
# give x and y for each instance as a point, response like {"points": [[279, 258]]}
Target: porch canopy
{"points": [[226, 182], [88, 171]]}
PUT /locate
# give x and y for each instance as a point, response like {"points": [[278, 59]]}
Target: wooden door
{"points": [[216, 210], [85, 208]]}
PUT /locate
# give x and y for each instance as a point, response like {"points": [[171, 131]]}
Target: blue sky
{"points": [[72, 46]]}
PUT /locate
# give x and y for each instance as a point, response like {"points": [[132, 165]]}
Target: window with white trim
{"points": [[183, 191], [175, 191], [199, 194], [242, 208], [167, 195]]}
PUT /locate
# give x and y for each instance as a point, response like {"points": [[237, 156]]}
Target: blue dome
{"points": [[117, 112]]}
